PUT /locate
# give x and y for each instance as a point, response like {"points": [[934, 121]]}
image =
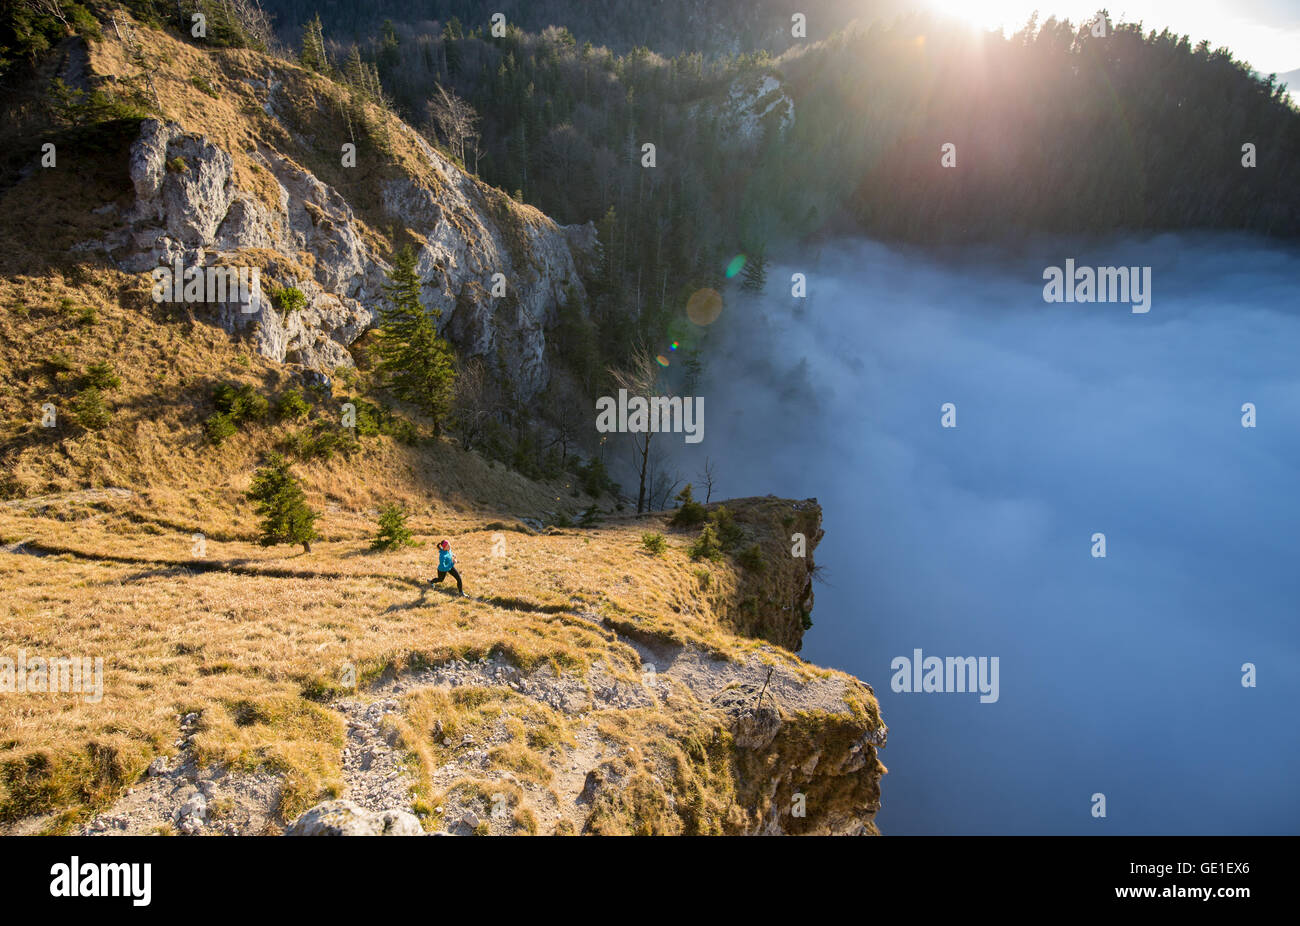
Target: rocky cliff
{"points": [[247, 167]]}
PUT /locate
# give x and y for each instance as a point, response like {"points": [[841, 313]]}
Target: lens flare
{"points": [[704, 306], [737, 264], [663, 361], [673, 346]]}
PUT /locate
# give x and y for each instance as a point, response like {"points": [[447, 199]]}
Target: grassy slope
{"points": [[117, 577]]}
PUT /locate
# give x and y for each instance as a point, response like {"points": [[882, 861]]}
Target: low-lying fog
{"points": [[1119, 676]]}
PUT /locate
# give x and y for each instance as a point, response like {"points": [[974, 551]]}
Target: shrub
{"points": [[752, 558], [691, 513], [729, 532], [706, 546], [703, 576], [288, 299], [101, 375], [177, 165], [241, 403], [320, 440], [655, 543], [70, 106], [205, 85], [58, 362], [393, 532], [219, 427], [83, 315], [372, 420], [92, 414], [590, 517], [594, 478], [286, 517], [235, 406], [292, 406]]}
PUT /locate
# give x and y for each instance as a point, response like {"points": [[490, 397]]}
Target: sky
{"points": [[1119, 675], [1265, 33]]}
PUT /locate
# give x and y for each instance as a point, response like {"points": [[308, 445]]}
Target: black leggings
{"points": [[455, 575]]}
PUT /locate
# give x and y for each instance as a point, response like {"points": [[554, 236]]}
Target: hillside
{"points": [[589, 684], [234, 667]]}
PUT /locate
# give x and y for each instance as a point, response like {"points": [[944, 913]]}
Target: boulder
{"points": [[344, 818], [752, 714]]}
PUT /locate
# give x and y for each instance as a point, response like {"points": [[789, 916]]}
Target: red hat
{"points": [[444, 544]]}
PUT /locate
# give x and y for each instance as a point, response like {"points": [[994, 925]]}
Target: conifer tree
{"points": [[282, 506], [418, 363], [393, 532], [755, 272], [313, 55]]}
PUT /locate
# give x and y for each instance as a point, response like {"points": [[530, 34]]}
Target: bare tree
{"points": [[565, 151], [638, 378], [566, 411], [707, 477], [253, 21], [663, 484], [455, 120], [50, 8], [474, 403]]}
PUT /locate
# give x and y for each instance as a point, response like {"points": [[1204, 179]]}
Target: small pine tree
{"points": [[355, 76], [92, 413], [690, 513], [706, 546], [101, 375], [752, 558], [595, 478], [282, 506], [292, 406], [728, 531], [393, 532], [418, 363]]}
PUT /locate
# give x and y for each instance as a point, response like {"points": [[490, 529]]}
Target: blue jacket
{"points": [[445, 560]]}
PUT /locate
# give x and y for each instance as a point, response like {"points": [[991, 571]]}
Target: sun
{"points": [[987, 14]]}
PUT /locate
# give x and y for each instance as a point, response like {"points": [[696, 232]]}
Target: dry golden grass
{"points": [[255, 638]]}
